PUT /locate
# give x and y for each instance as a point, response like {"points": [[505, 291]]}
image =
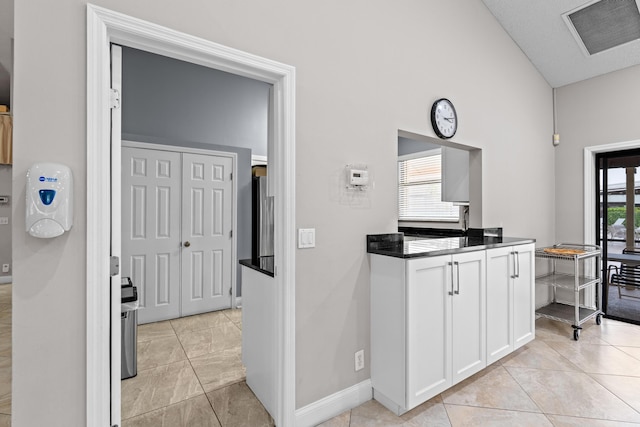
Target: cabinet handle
{"points": [[513, 276], [451, 265], [517, 262], [457, 265]]}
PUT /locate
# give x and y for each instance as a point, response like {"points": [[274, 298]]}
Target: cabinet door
{"points": [[500, 266], [468, 315], [524, 295], [428, 328]]}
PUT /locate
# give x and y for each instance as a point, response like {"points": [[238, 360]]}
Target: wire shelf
{"points": [[566, 281], [589, 251], [579, 257], [566, 313]]}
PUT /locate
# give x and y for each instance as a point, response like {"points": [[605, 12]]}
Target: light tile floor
{"points": [[190, 374], [552, 381]]}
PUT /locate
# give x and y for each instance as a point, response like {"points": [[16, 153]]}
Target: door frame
{"points": [[234, 196], [590, 177], [103, 28]]}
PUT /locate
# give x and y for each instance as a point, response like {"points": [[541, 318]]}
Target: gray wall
{"points": [[410, 146], [5, 211], [171, 102], [597, 111], [373, 73], [176, 100]]}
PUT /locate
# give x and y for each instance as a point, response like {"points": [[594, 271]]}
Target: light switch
{"points": [[4, 220], [306, 238]]}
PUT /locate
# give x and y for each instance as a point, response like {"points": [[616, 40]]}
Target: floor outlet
{"points": [[5, 268], [359, 360]]}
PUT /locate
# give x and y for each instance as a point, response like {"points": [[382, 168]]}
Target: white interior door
{"points": [[151, 230], [206, 233]]}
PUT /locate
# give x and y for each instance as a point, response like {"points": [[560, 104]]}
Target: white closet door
{"points": [[151, 230], [206, 218]]}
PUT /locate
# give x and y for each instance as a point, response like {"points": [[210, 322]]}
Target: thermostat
{"points": [[358, 177]]}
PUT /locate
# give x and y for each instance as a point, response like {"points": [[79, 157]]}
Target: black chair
{"points": [[627, 276]]}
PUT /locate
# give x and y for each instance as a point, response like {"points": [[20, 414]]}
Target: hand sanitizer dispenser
{"points": [[49, 200]]}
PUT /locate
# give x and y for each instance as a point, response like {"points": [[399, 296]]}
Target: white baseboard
{"points": [[333, 405], [6, 279], [238, 302], [388, 403]]}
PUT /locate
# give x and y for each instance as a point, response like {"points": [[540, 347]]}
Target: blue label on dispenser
{"points": [[47, 179], [47, 196]]}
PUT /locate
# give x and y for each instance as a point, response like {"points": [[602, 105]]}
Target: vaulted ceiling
{"points": [[549, 39]]}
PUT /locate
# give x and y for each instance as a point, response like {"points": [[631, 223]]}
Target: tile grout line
{"points": [[524, 390], [493, 408], [581, 370], [162, 407], [198, 378], [179, 361], [215, 414], [446, 411], [188, 358], [590, 375]]}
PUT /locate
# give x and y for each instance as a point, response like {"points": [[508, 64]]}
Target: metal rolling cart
{"points": [[586, 260]]}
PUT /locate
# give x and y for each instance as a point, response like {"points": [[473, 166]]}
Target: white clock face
{"points": [[445, 118]]}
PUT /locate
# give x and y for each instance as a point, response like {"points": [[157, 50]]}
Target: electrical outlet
{"points": [[5, 268], [359, 359]]}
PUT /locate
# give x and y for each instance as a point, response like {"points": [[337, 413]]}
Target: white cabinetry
{"points": [[428, 325], [259, 336], [510, 299]]}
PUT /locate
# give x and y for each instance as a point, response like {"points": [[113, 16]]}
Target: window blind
{"points": [[420, 191]]}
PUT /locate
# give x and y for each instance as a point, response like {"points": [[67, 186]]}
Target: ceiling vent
{"points": [[604, 24]]}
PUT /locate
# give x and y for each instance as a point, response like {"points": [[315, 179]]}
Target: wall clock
{"points": [[444, 118]]}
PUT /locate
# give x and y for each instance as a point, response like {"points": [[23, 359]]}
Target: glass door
{"points": [[618, 233]]}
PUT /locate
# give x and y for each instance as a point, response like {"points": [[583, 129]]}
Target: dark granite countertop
{"points": [[399, 246], [264, 265]]}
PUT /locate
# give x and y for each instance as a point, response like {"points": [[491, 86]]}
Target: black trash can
{"points": [[129, 329]]}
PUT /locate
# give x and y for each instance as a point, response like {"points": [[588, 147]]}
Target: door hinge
{"points": [[230, 293], [114, 266], [114, 99], [231, 176], [230, 234]]}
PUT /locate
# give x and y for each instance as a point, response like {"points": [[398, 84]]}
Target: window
{"points": [[420, 189]]}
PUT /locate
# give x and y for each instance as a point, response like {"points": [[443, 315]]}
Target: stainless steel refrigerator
{"points": [[262, 219]]}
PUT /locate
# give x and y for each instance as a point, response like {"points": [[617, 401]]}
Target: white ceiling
{"points": [[538, 28], [6, 58]]}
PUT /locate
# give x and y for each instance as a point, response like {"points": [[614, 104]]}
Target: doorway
{"points": [[106, 27], [618, 232]]}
